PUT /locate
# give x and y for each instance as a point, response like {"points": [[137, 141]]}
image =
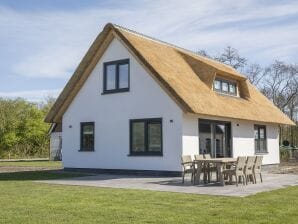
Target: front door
{"points": [[215, 138]]}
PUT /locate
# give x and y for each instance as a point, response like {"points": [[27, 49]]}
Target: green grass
{"points": [[24, 201], [55, 164]]}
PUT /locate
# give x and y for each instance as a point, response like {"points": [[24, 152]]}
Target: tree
{"points": [[254, 73], [280, 85], [23, 132], [230, 56]]}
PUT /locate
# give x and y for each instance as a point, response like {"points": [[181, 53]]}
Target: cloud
{"points": [[50, 44], [32, 95]]}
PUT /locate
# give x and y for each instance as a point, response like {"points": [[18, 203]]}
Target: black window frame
{"points": [[146, 152], [229, 83], [258, 140], [82, 124], [117, 89]]}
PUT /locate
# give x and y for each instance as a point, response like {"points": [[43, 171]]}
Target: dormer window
{"points": [[225, 86]]}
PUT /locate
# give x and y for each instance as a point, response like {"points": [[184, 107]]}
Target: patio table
{"points": [[220, 163]]}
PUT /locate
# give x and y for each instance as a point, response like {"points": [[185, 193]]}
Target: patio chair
{"points": [[237, 171], [188, 167], [200, 168], [257, 168], [210, 167], [248, 171]]}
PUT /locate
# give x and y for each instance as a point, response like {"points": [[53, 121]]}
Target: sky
{"points": [[42, 42]]}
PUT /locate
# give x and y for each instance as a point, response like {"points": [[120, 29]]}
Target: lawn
{"points": [[24, 201]]}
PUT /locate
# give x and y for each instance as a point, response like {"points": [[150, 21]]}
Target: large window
{"points": [[116, 76], [87, 136], [260, 139], [146, 136], [224, 86]]}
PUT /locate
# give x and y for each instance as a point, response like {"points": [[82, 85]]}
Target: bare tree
{"points": [[230, 56], [254, 73], [280, 84]]}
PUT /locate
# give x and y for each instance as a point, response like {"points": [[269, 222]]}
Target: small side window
{"points": [[87, 136]]}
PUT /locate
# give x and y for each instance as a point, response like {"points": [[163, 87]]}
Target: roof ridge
{"points": [[171, 45]]}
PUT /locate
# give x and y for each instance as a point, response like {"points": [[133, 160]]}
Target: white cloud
{"points": [[51, 43], [32, 95]]}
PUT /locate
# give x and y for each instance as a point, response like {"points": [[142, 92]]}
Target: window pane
{"points": [[262, 133], [262, 145], [110, 77], [232, 88], [154, 137], [217, 84], [224, 86], [257, 145], [87, 136], [138, 136], [256, 133], [123, 76]]}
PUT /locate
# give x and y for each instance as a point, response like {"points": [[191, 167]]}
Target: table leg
{"points": [[220, 174]]}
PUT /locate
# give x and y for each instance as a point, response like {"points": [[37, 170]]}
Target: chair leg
{"points": [[261, 177], [244, 180], [236, 180], [183, 177], [255, 179]]}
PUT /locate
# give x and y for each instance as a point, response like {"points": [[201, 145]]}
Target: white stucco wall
{"points": [[111, 114], [190, 138], [242, 142]]}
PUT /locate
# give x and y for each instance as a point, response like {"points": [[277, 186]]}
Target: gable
{"points": [[186, 77]]}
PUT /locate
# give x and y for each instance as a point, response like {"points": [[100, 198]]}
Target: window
{"points": [[116, 76], [260, 139], [87, 136], [146, 136], [224, 86]]}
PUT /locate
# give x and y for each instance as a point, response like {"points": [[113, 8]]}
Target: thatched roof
{"points": [[184, 75]]}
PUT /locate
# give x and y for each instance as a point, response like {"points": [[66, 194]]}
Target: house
{"points": [[135, 103]]}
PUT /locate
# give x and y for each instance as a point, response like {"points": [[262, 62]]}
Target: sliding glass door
{"points": [[215, 138]]}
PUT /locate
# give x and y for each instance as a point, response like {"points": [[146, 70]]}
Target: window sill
{"points": [[145, 155], [115, 91], [84, 150], [261, 153]]}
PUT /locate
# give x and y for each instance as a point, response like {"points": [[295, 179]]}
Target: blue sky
{"points": [[42, 42]]}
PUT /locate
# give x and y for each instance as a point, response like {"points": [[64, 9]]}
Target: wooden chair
{"points": [[248, 171], [200, 168], [257, 168], [210, 167], [237, 171], [188, 167]]}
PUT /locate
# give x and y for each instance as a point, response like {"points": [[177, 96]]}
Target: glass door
{"points": [[215, 138]]}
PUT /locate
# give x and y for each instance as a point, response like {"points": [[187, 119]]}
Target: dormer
{"points": [[226, 87]]}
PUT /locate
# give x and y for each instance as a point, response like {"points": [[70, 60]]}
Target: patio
{"points": [[174, 184]]}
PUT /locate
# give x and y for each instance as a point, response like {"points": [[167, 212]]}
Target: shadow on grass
{"points": [[38, 175]]}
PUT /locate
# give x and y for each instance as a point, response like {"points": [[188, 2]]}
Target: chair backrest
{"points": [[241, 162], [207, 156], [250, 162], [258, 163], [198, 157], [186, 161]]}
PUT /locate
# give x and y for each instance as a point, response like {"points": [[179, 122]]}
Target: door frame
{"points": [[212, 122]]}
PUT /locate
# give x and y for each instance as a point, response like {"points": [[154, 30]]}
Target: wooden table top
{"points": [[217, 160]]}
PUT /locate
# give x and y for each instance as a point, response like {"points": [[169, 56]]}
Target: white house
{"points": [[137, 104]]}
